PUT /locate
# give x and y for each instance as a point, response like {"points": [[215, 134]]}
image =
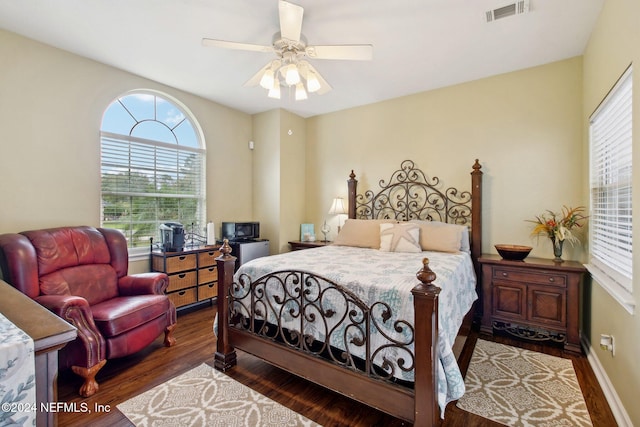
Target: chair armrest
{"points": [[76, 310], [59, 305], [143, 284]]}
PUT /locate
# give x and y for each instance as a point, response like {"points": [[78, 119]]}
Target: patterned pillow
{"points": [[402, 237]]}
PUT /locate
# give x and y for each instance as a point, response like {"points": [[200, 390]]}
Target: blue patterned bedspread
{"points": [[374, 275]]}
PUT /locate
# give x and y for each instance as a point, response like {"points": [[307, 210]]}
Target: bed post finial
{"points": [[225, 249], [426, 275]]}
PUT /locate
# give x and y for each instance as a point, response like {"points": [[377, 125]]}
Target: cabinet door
{"points": [[547, 306], [509, 300]]}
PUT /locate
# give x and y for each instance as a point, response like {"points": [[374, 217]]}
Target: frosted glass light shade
{"points": [[274, 92], [292, 76], [313, 84], [267, 79], [300, 92]]}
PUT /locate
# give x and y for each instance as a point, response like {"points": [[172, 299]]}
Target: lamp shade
{"points": [[337, 207]]}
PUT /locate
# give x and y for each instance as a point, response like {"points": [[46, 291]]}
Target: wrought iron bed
{"points": [[243, 321]]}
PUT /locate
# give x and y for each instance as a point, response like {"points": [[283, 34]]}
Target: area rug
{"points": [[518, 387], [206, 397]]}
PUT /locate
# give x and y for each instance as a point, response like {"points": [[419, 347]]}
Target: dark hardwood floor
{"points": [[124, 378]]}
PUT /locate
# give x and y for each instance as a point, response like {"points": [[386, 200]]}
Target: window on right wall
{"points": [[610, 145]]}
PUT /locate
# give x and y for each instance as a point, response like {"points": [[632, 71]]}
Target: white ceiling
{"points": [[418, 45]]}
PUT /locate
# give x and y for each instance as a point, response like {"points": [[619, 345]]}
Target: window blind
{"points": [[145, 183], [611, 184]]}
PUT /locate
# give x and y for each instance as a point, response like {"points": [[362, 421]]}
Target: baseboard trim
{"points": [[619, 412]]}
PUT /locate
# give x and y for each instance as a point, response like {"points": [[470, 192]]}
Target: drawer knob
{"points": [[551, 279], [504, 274]]}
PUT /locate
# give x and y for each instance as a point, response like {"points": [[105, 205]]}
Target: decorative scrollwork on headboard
{"points": [[411, 194]]}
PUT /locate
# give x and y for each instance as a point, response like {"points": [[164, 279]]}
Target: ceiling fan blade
{"points": [[305, 67], [235, 45], [354, 52], [255, 80], [290, 20]]}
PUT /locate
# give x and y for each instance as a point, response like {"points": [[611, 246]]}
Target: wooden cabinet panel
{"points": [[532, 297], [510, 300], [547, 306]]}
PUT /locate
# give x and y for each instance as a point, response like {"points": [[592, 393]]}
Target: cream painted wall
{"points": [[266, 181], [292, 178], [614, 44], [279, 184], [51, 106], [525, 127]]}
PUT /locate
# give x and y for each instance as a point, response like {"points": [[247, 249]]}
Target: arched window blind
{"points": [[152, 168]]}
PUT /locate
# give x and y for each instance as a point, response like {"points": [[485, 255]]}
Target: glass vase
{"points": [[557, 249]]}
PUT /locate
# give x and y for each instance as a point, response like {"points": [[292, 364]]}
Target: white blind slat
{"points": [[611, 185]]}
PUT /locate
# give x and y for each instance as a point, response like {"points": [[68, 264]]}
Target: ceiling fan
{"points": [[290, 66]]}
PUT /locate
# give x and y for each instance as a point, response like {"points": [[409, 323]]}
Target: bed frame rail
{"points": [[248, 334]]}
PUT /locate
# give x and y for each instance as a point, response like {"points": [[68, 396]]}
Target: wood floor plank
{"points": [[127, 377]]}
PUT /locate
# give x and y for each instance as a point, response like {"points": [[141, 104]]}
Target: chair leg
{"points": [[90, 385], [169, 339]]}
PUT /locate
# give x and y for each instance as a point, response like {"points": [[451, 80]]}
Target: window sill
{"points": [[138, 255], [613, 288]]}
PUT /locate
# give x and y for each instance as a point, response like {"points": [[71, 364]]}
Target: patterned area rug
{"points": [[206, 397], [518, 387]]}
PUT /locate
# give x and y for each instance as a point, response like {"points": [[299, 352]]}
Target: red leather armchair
{"points": [[80, 274]]}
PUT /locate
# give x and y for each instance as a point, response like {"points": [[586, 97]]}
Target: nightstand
{"points": [[297, 245], [536, 299]]}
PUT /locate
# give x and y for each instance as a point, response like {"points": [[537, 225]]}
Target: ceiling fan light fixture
{"points": [[313, 85], [267, 81], [292, 76], [274, 92], [301, 94]]}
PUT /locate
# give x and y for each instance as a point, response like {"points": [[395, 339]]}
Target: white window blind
{"points": [[145, 183], [611, 184], [152, 168]]}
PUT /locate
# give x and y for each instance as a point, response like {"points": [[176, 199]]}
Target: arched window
{"points": [[152, 167]]}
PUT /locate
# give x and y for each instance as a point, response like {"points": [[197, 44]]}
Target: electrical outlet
{"points": [[607, 343]]}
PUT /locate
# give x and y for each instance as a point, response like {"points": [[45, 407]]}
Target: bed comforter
{"points": [[373, 276]]}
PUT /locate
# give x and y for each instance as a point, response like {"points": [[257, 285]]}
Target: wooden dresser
{"points": [[193, 275], [535, 299]]}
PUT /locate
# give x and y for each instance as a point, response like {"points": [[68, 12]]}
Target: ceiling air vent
{"points": [[516, 8]]}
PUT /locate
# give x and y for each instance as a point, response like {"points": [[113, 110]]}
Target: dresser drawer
{"points": [[181, 281], [208, 258], [180, 263], [207, 274], [207, 291], [539, 278], [183, 297]]}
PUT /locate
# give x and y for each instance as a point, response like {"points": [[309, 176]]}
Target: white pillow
{"points": [[403, 237]]}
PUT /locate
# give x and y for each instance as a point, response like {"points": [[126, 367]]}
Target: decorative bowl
{"points": [[513, 252]]}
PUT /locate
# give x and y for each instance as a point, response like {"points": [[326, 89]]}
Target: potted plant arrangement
{"points": [[559, 227]]}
